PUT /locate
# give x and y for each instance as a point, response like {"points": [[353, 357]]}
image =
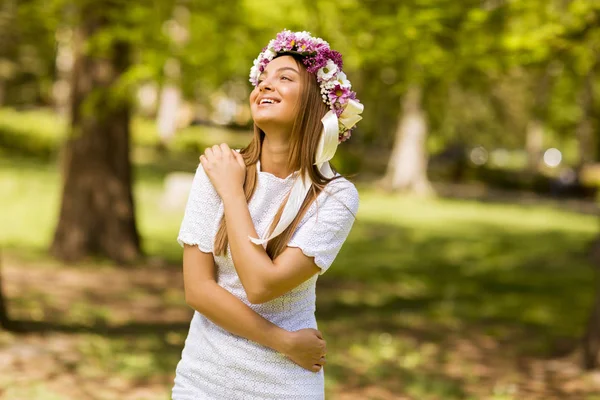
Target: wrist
{"points": [[233, 195], [280, 340]]}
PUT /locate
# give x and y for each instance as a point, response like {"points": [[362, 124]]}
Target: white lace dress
{"points": [[217, 365]]}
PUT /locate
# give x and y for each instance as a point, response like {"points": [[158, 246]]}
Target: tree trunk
{"points": [[97, 213], [4, 318], [585, 127], [170, 96], [535, 128], [407, 167], [61, 88], [170, 99], [2, 91], [534, 144], [591, 339]]}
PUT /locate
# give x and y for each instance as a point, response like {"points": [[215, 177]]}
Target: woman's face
{"points": [[274, 101]]}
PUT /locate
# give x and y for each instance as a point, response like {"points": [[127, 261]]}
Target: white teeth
{"points": [[263, 101]]}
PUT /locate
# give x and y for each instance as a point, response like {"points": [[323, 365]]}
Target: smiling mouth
{"points": [[268, 101]]}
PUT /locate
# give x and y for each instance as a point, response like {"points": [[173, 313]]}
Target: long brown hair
{"points": [[304, 140]]}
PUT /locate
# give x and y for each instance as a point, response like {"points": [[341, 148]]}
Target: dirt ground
{"points": [[66, 351]]}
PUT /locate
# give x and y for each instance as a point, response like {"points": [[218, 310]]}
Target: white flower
{"points": [[320, 41], [344, 82], [269, 54], [303, 35], [254, 74], [328, 71]]}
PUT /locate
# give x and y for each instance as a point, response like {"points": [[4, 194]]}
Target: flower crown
{"points": [[326, 64]]}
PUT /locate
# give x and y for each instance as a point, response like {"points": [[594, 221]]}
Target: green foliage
{"points": [[26, 50], [480, 62]]}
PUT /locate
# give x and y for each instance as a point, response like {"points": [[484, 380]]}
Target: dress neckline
{"points": [[270, 175]]}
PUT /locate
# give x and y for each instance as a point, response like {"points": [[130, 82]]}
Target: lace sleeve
{"points": [[200, 221], [324, 230]]}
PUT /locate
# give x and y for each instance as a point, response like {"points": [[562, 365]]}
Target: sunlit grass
{"points": [[44, 130], [42, 124]]}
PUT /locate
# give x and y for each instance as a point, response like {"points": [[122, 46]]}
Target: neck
{"points": [[274, 157]]}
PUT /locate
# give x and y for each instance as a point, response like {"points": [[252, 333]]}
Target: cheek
{"points": [[253, 96], [293, 95]]}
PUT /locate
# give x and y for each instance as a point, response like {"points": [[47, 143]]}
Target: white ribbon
{"points": [[351, 114], [328, 142]]}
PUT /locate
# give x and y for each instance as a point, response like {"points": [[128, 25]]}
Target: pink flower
{"points": [[339, 96]]}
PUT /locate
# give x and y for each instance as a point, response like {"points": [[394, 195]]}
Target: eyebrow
{"points": [[281, 69]]}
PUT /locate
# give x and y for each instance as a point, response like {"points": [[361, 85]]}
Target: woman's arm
{"points": [[263, 279], [305, 347]]}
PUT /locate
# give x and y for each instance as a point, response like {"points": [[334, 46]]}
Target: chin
{"points": [[267, 123]]}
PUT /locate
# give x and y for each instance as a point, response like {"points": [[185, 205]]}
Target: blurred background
{"points": [[471, 269]]}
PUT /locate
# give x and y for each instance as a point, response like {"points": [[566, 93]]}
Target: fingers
{"points": [[216, 151], [319, 334], [239, 158], [320, 364], [224, 148]]}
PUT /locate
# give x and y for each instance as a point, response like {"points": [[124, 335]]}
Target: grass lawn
{"points": [[428, 300]]}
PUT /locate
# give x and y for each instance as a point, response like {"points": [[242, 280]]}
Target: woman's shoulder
{"points": [[203, 186], [341, 190], [341, 183]]}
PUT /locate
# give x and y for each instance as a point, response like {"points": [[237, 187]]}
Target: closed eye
{"points": [[286, 78]]}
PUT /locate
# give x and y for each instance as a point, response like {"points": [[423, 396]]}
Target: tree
{"points": [[97, 214], [583, 41], [413, 53], [4, 317], [407, 167]]}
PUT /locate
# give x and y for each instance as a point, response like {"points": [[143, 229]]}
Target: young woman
{"points": [[259, 227]]}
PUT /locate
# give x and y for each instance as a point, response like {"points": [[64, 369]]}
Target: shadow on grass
{"points": [[481, 273], [395, 290], [155, 328], [527, 290]]}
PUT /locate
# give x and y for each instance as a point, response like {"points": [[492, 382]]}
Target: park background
{"points": [[471, 269]]}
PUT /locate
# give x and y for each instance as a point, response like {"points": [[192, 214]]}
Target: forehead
{"points": [[282, 62]]}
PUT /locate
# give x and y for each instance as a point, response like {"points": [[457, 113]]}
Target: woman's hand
{"points": [[307, 348], [225, 168]]}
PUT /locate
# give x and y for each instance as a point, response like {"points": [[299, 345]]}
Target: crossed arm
{"points": [[305, 347], [263, 280], [203, 294]]}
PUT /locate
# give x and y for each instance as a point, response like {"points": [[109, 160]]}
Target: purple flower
{"points": [[345, 135], [336, 57], [340, 95]]}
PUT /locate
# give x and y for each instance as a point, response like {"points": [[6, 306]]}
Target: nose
{"points": [[265, 85]]}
